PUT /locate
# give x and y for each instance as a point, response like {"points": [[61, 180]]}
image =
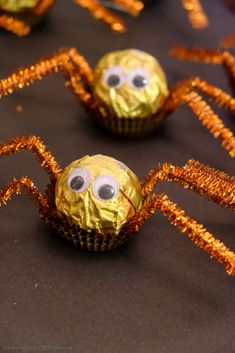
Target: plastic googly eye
{"points": [[105, 187], [138, 78], [114, 77], [79, 179]]}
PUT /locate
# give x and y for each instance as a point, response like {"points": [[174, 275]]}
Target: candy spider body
{"points": [[98, 193], [17, 6], [18, 16], [128, 91], [97, 203], [197, 17]]}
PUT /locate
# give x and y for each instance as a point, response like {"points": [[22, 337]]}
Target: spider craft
{"points": [[196, 14], [222, 57], [228, 41], [97, 203], [128, 92], [17, 15]]}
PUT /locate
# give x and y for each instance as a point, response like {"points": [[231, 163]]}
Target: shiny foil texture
{"points": [[17, 5], [127, 101], [86, 210]]}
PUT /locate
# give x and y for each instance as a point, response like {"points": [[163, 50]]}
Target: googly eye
{"points": [[138, 78], [79, 179], [114, 77], [105, 187]]}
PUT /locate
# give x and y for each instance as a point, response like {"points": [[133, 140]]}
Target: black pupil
{"points": [[113, 80], [77, 183], [139, 81], [106, 192]]}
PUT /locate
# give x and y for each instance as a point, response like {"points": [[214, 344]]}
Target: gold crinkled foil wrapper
{"points": [[91, 214], [126, 102], [17, 5]]}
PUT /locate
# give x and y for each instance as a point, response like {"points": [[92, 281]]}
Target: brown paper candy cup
{"points": [[28, 16], [130, 126], [84, 240]]}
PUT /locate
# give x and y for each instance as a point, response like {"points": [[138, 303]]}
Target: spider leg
{"points": [[13, 25], [77, 72], [197, 54], [185, 93], [42, 7], [228, 41], [208, 56], [25, 185], [195, 231], [206, 181], [133, 7], [39, 150], [197, 17], [100, 12]]}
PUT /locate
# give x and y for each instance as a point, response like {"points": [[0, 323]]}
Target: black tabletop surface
{"points": [[158, 292]]}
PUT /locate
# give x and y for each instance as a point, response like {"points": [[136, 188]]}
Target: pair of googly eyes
{"points": [[104, 186], [137, 78]]}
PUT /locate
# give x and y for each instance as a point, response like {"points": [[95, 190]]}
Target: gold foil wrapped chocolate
{"points": [[17, 5], [127, 92], [98, 193], [18, 16], [106, 197], [129, 84]]}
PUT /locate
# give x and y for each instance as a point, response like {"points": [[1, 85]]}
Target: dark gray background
{"points": [[157, 293]]}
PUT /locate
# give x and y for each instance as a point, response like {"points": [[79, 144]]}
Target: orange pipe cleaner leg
{"points": [[196, 15], [68, 61], [195, 231], [13, 25], [28, 187], [133, 7], [185, 93], [206, 181], [101, 13], [34, 144], [208, 56], [228, 41], [198, 54], [42, 7]]}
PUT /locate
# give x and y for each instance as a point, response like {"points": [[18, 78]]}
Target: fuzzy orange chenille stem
{"points": [[185, 93], [195, 231], [75, 68], [208, 56], [100, 12], [34, 144], [197, 16], [13, 25], [26, 186], [133, 7], [228, 41], [209, 182], [42, 7]]}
